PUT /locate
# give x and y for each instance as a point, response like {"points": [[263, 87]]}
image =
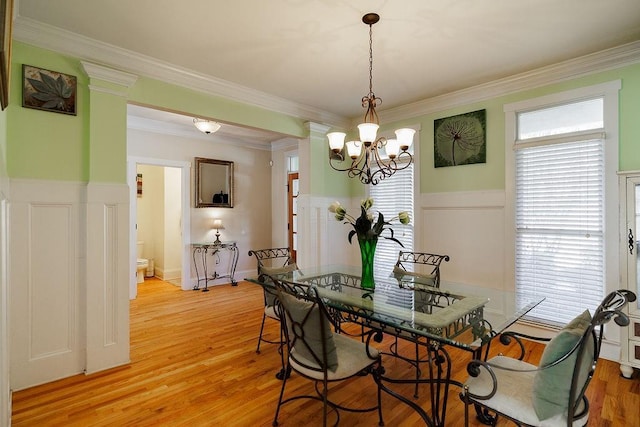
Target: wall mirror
{"points": [[214, 183]]}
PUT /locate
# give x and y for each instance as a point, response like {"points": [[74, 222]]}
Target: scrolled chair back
{"points": [[307, 326]]}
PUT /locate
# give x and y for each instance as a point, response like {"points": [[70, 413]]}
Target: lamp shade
{"points": [[405, 138], [368, 132], [354, 148], [206, 126], [336, 141], [392, 147], [217, 224]]}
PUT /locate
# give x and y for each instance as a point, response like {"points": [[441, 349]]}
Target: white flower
{"points": [[403, 217], [367, 203]]}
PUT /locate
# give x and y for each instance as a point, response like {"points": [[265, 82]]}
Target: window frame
{"points": [[609, 91]]}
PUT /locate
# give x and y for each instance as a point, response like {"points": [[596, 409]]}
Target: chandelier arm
{"points": [[353, 165]]}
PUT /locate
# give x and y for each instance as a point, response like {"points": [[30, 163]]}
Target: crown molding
{"points": [[46, 36], [110, 75], [287, 143], [52, 38], [605, 60]]}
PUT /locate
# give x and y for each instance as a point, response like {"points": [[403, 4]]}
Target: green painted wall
{"points": [[42, 144], [53, 146], [3, 143], [491, 175], [324, 179], [162, 95], [45, 145], [107, 135]]}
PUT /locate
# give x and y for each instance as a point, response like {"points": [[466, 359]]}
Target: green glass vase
{"points": [[367, 253]]}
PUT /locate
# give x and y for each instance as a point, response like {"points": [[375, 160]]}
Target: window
{"points": [[391, 196], [562, 161]]}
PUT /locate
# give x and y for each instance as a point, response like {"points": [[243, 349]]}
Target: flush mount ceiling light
{"points": [[206, 126], [370, 165]]}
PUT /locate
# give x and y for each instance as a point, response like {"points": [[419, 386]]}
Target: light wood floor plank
{"points": [[194, 364]]}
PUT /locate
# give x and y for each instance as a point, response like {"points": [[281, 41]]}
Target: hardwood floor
{"points": [[193, 363]]}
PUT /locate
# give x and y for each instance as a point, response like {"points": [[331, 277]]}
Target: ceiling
{"points": [[315, 53]]}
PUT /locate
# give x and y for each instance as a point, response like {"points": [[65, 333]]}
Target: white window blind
{"points": [[391, 196], [560, 227]]}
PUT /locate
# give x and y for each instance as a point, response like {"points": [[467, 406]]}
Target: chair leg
{"points": [[465, 400], [380, 419], [261, 329], [284, 383], [324, 403], [415, 392]]}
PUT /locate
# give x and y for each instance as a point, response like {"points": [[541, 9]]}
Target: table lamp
{"points": [[217, 225]]}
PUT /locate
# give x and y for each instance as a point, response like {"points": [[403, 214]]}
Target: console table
{"points": [[213, 249]]}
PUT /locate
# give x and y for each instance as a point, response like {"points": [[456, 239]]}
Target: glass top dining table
{"points": [[464, 316], [410, 307]]}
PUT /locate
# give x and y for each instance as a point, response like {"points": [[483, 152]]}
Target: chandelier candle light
{"points": [[368, 232], [369, 165]]}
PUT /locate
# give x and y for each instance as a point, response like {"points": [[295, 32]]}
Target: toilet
{"points": [[142, 263]]}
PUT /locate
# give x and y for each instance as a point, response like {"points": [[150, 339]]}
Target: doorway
{"points": [[183, 170]]}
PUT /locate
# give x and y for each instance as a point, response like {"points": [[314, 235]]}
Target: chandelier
{"points": [[371, 165]]}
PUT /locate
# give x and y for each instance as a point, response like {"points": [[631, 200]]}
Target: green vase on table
{"points": [[368, 229], [367, 253]]}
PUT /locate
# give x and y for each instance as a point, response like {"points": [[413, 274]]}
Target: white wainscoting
{"points": [[68, 279], [45, 258], [5, 387], [469, 227], [107, 276], [322, 240]]}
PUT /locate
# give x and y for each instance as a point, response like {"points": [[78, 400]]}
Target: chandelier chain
{"points": [[371, 60]]}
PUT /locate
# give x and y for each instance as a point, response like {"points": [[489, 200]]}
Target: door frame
{"points": [[290, 197], [185, 181]]}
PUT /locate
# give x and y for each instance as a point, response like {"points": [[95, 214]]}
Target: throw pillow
{"points": [[416, 278], [314, 326], [276, 271], [551, 386]]}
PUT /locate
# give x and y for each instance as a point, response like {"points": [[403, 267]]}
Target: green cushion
{"points": [[312, 329], [276, 271], [551, 386], [417, 278]]}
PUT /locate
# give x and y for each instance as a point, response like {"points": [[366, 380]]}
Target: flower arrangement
{"points": [[368, 232], [364, 225]]}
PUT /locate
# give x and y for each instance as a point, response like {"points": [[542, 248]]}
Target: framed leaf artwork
{"points": [[460, 140], [48, 90]]}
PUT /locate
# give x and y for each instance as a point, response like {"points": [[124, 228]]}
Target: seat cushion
{"points": [[308, 324], [551, 386], [351, 355], [274, 271], [513, 397]]}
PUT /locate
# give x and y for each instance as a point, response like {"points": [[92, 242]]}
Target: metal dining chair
{"points": [[316, 352], [271, 261], [552, 393], [427, 274]]}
